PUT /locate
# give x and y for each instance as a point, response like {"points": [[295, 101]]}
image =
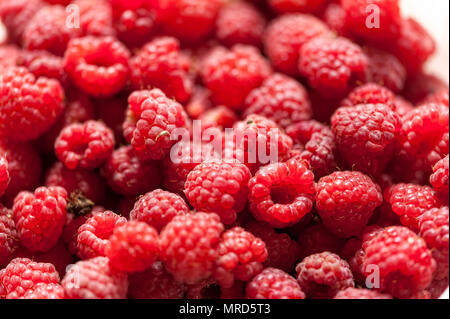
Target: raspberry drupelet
{"points": [[45, 291], [9, 240], [360, 293], [4, 175], [273, 283], [282, 193], [439, 179], [45, 64], [370, 93]]}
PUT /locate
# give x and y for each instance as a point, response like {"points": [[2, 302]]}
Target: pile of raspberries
{"points": [[92, 204]]}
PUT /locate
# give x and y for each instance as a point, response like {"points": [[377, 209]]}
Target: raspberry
{"points": [[365, 136], [334, 16], [151, 119], [323, 275], [220, 117], [439, 97], [132, 247], [97, 65], [70, 232], [437, 288], [317, 239], [40, 217], [282, 193], [188, 246], [94, 279], [161, 64], [128, 175], [419, 87], [360, 293], [405, 265], [23, 275], [439, 179], [4, 175], [285, 6], [346, 201], [135, 27], [29, 106], [232, 74], [158, 208], [370, 93], [218, 187], [45, 291], [240, 257], [112, 113], [16, 14], [333, 66], [58, 256], [85, 145], [434, 229], [286, 35], [274, 284], [9, 55], [402, 106], [240, 22], [93, 235], [9, 241], [280, 99], [155, 283], [95, 17]]}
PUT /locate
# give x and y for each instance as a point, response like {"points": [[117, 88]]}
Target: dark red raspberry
{"points": [[333, 66], [280, 99], [360, 293], [9, 240], [161, 64], [59, 256], [323, 275], [4, 175], [282, 193], [95, 17], [240, 22], [366, 135], [285, 6], [439, 179], [206, 289], [180, 251], [45, 291], [93, 235], [40, 217], [402, 106], [155, 283], [29, 106], [112, 113], [23, 275], [151, 119], [437, 288], [97, 65], [404, 263], [85, 145], [274, 284], [94, 279], [286, 35], [316, 239], [370, 93], [135, 27], [419, 87], [220, 117], [439, 97]]}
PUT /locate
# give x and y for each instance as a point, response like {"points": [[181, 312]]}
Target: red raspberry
{"points": [[434, 229], [240, 22], [346, 201], [94, 279], [405, 264], [4, 175], [186, 259], [40, 217], [220, 117], [280, 99], [155, 283], [85, 145], [366, 135], [370, 93], [274, 284], [437, 288], [286, 35], [93, 235], [282, 193], [59, 256], [240, 257], [439, 97], [9, 55], [402, 106], [334, 16], [15, 15], [45, 291], [95, 17], [419, 87], [23, 275], [360, 293], [70, 232], [158, 208], [128, 175], [9, 241], [200, 99], [135, 27], [97, 65], [132, 247], [323, 275], [29, 106], [317, 239], [439, 179], [161, 64], [285, 6], [112, 113], [151, 119], [333, 66]]}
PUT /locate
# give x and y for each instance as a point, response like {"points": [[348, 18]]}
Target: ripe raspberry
{"points": [[15, 15], [58, 256], [439, 97], [23, 275], [434, 229], [40, 217], [280, 99], [273, 284], [45, 291], [161, 64], [370, 93], [95, 17], [158, 208], [365, 136], [323, 275], [188, 246], [437, 288], [439, 179], [317, 239], [4, 175], [9, 241], [135, 27], [70, 232], [282, 193], [334, 16], [85, 145], [28, 106], [285, 6], [232, 74], [94, 279], [286, 35], [333, 66], [97, 65], [360, 293], [240, 22], [128, 175], [402, 106], [93, 235], [220, 117], [404, 262], [419, 87], [151, 119], [9, 55]]}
